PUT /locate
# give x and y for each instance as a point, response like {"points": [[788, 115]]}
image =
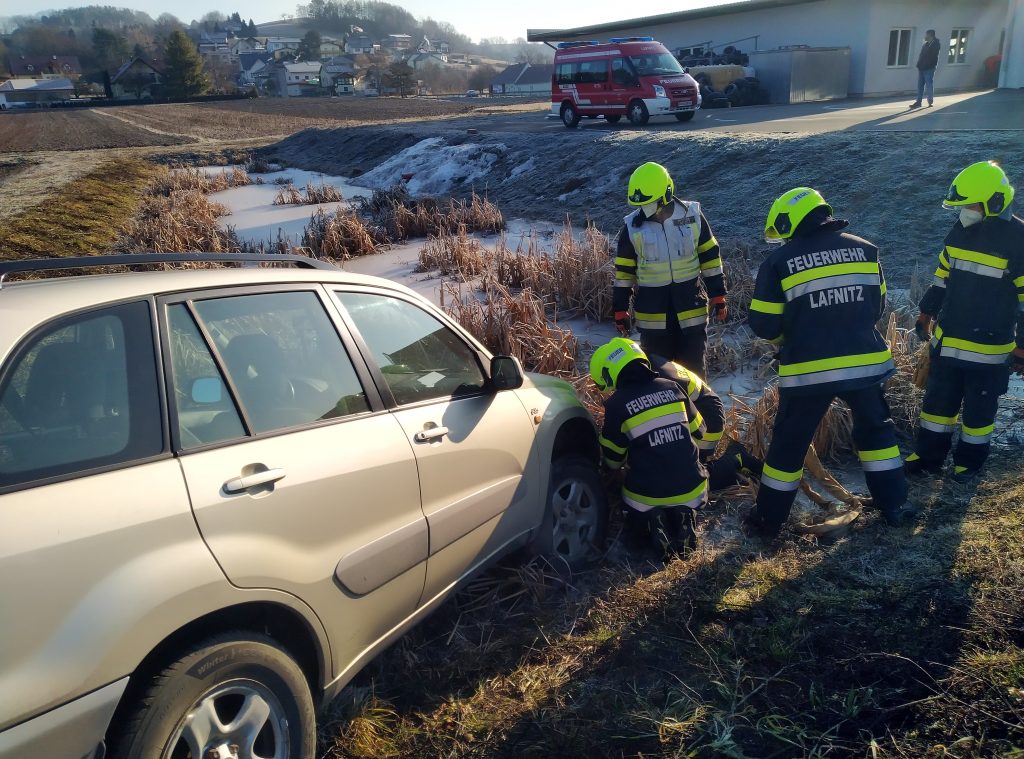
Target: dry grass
{"points": [[340, 235], [400, 216], [170, 180], [183, 221], [313, 195]]}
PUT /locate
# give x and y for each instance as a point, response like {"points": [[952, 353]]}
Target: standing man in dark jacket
{"points": [[977, 300], [927, 60], [650, 425], [668, 254], [818, 297]]}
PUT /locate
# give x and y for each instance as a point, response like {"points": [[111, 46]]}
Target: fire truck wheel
{"points": [[688, 116], [613, 119], [570, 116], [637, 113]]}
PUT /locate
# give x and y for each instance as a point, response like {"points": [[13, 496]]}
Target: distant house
{"points": [[246, 45], [523, 79], [44, 67], [253, 67], [337, 75], [329, 48], [297, 79], [360, 44], [419, 60], [281, 43], [137, 79], [397, 42], [39, 91]]}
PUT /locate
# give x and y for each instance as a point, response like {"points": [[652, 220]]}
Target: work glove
{"points": [[1017, 361], [719, 310], [623, 323], [923, 327]]}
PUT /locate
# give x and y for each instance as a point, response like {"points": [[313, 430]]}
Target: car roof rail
{"points": [[148, 259]]}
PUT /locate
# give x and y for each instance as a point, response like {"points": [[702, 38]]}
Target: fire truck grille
{"points": [[685, 91]]}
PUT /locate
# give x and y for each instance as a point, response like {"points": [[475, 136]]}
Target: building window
{"points": [[899, 47], [958, 45]]}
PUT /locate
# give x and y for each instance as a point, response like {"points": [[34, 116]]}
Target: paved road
{"points": [[991, 110]]}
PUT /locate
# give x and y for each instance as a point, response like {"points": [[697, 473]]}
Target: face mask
{"points": [[649, 209], [969, 216]]}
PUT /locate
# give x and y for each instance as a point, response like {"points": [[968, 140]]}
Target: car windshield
{"points": [[663, 63]]}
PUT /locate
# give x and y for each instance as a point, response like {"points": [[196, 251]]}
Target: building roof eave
{"points": [[556, 35]]}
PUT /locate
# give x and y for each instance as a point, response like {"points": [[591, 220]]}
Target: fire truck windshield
{"points": [[648, 65]]}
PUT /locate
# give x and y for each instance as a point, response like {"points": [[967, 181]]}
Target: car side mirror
{"points": [[506, 373], [207, 390]]}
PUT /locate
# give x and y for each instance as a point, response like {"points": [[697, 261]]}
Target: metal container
{"points": [[803, 74]]}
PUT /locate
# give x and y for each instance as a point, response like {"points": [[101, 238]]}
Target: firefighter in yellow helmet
{"points": [[668, 256], [818, 297], [649, 427], [976, 302]]}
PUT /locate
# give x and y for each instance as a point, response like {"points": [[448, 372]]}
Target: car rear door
{"points": [[471, 443], [299, 479]]}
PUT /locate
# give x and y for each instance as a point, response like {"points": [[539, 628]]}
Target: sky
{"points": [[473, 18]]}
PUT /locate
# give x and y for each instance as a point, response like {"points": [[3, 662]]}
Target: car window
{"points": [[81, 395], [284, 357], [421, 358], [205, 411]]}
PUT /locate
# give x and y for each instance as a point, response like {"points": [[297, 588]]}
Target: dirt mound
{"points": [[889, 185]]}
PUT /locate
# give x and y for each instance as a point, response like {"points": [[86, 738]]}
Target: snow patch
{"points": [[436, 168]]}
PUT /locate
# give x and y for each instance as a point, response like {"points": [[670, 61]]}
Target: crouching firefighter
{"points": [[818, 298], [649, 425], [724, 471], [977, 303], [668, 253]]}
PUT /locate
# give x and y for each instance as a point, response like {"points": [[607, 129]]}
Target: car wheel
{"points": [[613, 119], [688, 116], [637, 113], [233, 695], [570, 116], [575, 516]]}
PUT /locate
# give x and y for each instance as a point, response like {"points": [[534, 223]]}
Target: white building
{"points": [[884, 36]]}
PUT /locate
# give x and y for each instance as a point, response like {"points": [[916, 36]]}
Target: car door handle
{"points": [[238, 484], [425, 436]]}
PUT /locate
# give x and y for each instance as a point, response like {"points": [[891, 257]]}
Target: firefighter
{"points": [[649, 425], [724, 471], [976, 301], [818, 298], [668, 255]]}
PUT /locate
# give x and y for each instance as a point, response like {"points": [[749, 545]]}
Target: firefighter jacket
{"points": [[818, 297], [704, 399], [650, 423], [674, 266], [977, 295]]}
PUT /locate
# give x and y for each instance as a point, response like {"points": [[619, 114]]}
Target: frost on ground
{"points": [[890, 185]]}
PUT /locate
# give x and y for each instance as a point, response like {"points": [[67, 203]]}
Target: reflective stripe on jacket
{"points": [[977, 293], [673, 265], [704, 399], [651, 424], [818, 297]]}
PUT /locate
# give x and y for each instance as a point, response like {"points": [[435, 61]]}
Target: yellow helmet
{"points": [[610, 359], [789, 210], [984, 182], [650, 182]]}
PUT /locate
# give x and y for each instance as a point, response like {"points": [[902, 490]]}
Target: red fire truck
{"points": [[634, 77]]}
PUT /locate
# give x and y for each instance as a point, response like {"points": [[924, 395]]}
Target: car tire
{"points": [[614, 118], [575, 515], [570, 116], [688, 116], [226, 688], [637, 113]]}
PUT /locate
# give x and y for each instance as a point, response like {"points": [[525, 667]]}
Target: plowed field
{"points": [[57, 129]]}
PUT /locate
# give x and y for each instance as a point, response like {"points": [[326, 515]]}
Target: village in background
{"points": [[84, 56]]}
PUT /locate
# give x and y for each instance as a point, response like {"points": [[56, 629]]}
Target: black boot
{"points": [[918, 467], [898, 516]]}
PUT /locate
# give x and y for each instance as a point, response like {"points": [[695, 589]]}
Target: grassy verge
{"points": [[889, 643], [83, 218]]}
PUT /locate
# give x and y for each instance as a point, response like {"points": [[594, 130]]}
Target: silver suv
{"points": [[223, 491]]}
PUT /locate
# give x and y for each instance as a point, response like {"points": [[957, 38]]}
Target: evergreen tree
{"points": [[400, 76], [109, 48], [309, 48], [183, 75]]}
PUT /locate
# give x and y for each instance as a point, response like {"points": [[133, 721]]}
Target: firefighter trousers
{"points": [[684, 346], [950, 385], [796, 421]]}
